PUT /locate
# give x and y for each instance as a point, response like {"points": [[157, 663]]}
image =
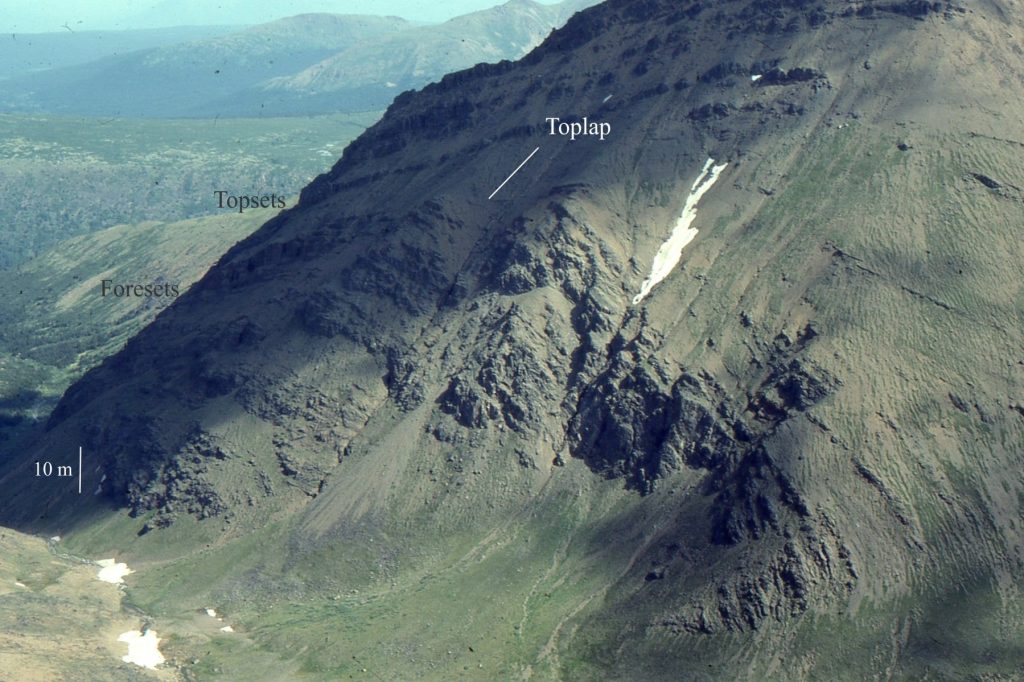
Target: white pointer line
{"points": [[79, 469], [514, 172]]}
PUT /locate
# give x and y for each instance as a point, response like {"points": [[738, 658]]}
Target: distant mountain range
{"points": [[168, 12], [183, 79], [307, 64], [24, 53], [370, 73]]}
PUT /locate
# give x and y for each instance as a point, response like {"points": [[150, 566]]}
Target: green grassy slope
{"points": [[57, 621]]}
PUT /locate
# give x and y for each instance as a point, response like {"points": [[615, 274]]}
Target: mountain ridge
{"points": [[38, 51], [266, 70], [167, 81]]}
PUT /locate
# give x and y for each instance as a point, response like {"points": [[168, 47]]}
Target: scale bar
{"points": [[79, 469], [514, 172]]}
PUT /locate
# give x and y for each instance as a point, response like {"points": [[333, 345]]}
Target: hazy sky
{"points": [[21, 16]]}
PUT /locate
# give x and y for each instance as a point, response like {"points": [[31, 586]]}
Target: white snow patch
{"points": [[606, 99], [112, 572], [211, 613], [142, 648], [391, 85], [20, 584], [682, 234], [754, 79], [55, 538], [227, 628]]}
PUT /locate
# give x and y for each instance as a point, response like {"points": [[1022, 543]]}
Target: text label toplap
{"points": [[574, 129]]}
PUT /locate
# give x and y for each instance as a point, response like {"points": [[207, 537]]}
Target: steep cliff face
{"points": [[810, 426]]}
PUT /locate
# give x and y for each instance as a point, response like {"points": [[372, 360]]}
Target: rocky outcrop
{"points": [[799, 74], [640, 421], [178, 486], [807, 571]]}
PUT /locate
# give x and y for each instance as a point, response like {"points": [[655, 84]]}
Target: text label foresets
{"points": [[109, 288], [574, 129], [227, 200]]}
